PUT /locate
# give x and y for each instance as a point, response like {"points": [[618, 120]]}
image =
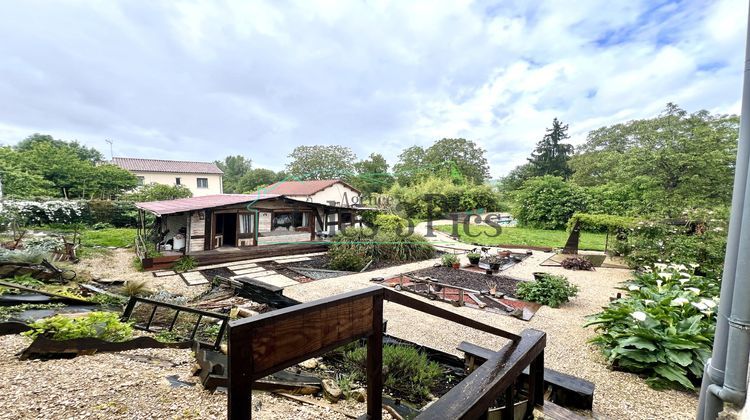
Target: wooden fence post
{"points": [[375, 361], [240, 362]]}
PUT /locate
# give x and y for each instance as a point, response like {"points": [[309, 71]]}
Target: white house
{"points": [[202, 178]]}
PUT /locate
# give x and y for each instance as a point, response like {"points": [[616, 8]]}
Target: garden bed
{"points": [[469, 279]]}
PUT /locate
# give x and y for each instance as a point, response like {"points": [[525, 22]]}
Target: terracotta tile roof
{"points": [[159, 165], [198, 203], [293, 188]]}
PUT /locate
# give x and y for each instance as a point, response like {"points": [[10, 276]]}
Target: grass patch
{"points": [[117, 237], [522, 236]]}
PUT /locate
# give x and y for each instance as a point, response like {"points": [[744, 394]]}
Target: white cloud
{"points": [[204, 79]]}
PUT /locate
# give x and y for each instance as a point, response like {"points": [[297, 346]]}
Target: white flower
{"points": [[633, 288], [683, 281], [648, 301], [709, 303], [695, 290], [665, 275], [639, 316], [659, 283], [680, 301], [694, 265], [685, 274], [700, 305], [678, 267], [660, 266]]}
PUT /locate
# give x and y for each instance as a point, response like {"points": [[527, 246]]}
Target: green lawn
{"points": [[119, 237], [525, 237]]}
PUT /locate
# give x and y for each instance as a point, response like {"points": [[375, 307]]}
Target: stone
{"points": [[331, 390], [309, 364], [359, 394]]}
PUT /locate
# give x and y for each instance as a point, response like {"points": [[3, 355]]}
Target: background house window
{"points": [[141, 180], [247, 221], [177, 181], [202, 182]]}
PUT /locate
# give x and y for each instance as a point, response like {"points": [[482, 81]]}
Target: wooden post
{"points": [[375, 361], [508, 411], [240, 363], [536, 370]]}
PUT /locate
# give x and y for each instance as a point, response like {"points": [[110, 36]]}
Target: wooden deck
{"points": [[224, 255]]}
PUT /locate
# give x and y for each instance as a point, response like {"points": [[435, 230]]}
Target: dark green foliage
{"points": [[601, 222], [457, 160], [185, 263], [550, 290], [347, 260], [664, 329], [700, 238], [434, 196], [115, 213], [390, 223], [321, 162], [383, 246], [407, 372], [372, 175], [551, 155], [448, 260], [548, 202], [159, 192], [102, 325]]}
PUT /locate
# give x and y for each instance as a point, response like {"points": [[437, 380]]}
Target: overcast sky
{"points": [[199, 80]]}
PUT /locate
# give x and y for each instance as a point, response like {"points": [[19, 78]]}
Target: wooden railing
{"points": [[267, 343]]}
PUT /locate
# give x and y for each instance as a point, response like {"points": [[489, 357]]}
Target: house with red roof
{"points": [[202, 178]]}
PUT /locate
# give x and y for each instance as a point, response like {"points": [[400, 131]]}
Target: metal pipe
{"points": [[710, 402]]}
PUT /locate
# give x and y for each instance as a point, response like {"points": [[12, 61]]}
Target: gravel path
{"points": [[618, 395], [126, 385]]}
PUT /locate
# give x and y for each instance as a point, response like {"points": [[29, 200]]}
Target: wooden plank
{"points": [[553, 411], [476, 393], [375, 360], [42, 292]]}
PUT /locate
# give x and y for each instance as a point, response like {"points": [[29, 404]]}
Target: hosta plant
{"points": [[548, 290], [664, 329]]}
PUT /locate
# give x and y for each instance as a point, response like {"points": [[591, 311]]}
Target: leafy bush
{"points": [[548, 202], [158, 192], [449, 259], [43, 243], [600, 222], [347, 260], [549, 290], [185, 263], [390, 223], [577, 263], [102, 325], [406, 370], [383, 246], [437, 196], [664, 328], [700, 237], [32, 255]]}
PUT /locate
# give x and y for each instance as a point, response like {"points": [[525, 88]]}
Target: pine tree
{"points": [[551, 155]]}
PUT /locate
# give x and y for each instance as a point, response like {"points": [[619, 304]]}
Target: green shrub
{"points": [[664, 329], [390, 223], [548, 202], [549, 290], [383, 246], [439, 195], [406, 370], [185, 263], [102, 325], [347, 260], [699, 238], [449, 259]]}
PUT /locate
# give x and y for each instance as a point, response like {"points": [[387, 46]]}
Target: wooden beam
{"points": [[375, 361]]}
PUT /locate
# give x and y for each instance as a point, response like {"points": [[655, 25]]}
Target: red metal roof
{"points": [[303, 187], [198, 203], [159, 165]]}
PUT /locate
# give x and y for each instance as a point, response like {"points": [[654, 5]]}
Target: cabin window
{"points": [[141, 180], [246, 222], [290, 220], [346, 218], [202, 182], [177, 181]]}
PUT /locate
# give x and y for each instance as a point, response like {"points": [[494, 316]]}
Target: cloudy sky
{"points": [[199, 80]]}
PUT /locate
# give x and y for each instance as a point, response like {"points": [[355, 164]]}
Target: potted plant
{"points": [[474, 257], [539, 275], [494, 262], [450, 260]]}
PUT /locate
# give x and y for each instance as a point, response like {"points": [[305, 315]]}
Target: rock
{"points": [[359, 394], [331, 390], [309, 364]]}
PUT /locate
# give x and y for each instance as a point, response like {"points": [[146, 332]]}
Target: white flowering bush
{"points": [[664, 328], [42, 212]]}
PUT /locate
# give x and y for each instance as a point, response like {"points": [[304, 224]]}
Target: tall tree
{"points": [[17, 180], [551, 155], [88, 154], [372, 174], [410, 165], [112, 181], [321, 162], [234, 167], [257, 178], [447, 156]]}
